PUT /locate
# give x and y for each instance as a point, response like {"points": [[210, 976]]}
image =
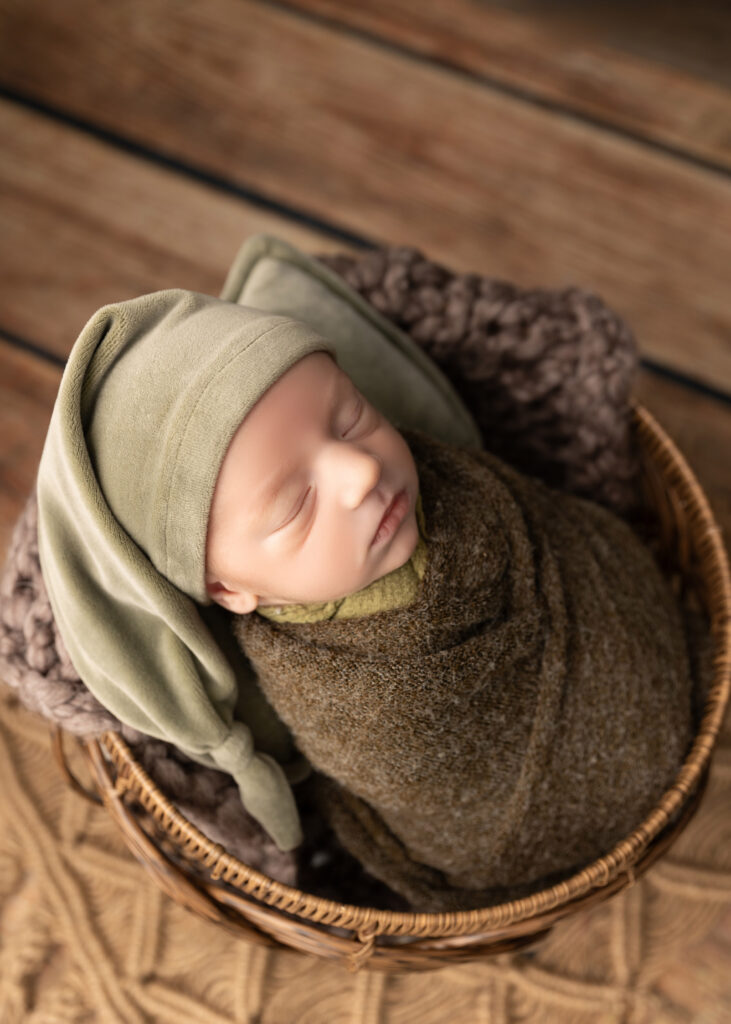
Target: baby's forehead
{"points": [[324, 386], [316, 379]]}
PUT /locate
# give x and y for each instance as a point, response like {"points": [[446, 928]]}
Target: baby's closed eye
{"points": [[300, 505], [352, 417], [358, 419]]}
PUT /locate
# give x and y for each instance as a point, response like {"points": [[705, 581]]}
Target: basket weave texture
{"points": [[209, 880], [480, 331]]}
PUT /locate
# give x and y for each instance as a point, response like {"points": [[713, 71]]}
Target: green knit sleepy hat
{"points": [[151, 396]]}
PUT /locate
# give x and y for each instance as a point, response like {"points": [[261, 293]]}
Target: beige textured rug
{"points": [[86, 937]]}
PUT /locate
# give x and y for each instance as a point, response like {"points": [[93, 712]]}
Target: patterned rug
{"points": [[85, 936]]}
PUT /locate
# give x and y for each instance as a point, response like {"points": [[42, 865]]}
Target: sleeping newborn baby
{"points": [[489, 676]]}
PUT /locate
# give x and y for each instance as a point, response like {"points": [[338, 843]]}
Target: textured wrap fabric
{"points": [[513, 723], [151, 396]]}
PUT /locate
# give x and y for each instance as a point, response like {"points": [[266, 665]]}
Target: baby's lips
{"points": [[399, 504]]}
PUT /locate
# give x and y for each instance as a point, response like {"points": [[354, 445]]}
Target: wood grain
{"points": [[398, 151], [701, 427], [688, 37], [28, 387], [622, 64], [85, 224]]}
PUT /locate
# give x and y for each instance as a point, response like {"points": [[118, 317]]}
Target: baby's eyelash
{"points": [[300, 505], [355, 418]]}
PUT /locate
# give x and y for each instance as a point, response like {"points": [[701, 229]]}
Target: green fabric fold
{"points": [[151, 396]]}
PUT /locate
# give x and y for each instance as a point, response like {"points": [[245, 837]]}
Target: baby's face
{"points": [[315, 498]]}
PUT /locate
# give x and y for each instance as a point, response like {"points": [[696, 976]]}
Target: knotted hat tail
{"points": [[151, 396]]}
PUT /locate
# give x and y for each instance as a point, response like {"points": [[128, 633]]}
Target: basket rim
{"points": [[367, 921]]}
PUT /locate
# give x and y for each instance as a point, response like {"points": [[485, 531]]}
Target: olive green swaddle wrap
{"points": [[517, 719], [151, 396]]}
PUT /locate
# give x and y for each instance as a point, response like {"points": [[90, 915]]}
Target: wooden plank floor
{"points": [[546, 144], [362, 138]]}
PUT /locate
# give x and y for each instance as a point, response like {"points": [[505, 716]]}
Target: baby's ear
{"points": [[241, 602]]}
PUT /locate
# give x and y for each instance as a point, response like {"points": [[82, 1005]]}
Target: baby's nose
{"points": [[357, 473]]}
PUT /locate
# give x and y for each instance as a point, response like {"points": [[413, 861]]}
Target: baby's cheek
{"points": [[333, 564], [333, 559]]}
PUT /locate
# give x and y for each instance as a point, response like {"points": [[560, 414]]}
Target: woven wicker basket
{"points": [[201, 875]]}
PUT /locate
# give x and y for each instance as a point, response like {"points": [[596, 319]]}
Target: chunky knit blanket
{"points": [[513, 723]]}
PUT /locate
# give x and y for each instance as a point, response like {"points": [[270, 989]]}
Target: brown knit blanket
{"points": [[518, 719]]}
